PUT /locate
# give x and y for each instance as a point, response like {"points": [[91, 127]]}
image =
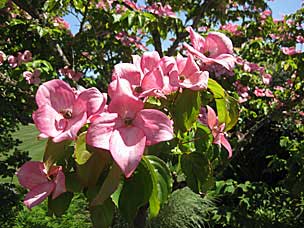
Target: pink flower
{"points": [[232, 29], [160, 10], [61, 23], [268, 93], [265, 14], [127, 128], [12, 61], [61, 113], [300, 39], [144, 75], [71, 74], [32, 78], [2, 57], [216, 48], [289, 50], [209, 118], [267, 78], [187, 74], [26, 56], [259, 92], [34, 176]]}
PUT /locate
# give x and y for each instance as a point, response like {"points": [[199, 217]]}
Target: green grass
{"points": [[28, 135]]}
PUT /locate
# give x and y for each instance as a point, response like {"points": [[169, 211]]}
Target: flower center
{"points": [[128, 121], [66, 113], [182, 78], [138, 89], [207, 53]]}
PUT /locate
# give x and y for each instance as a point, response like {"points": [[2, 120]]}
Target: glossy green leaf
{"points": [[81, 153], [59, 205], [55, 152], [89, 172], [186, 109], [203, 138], [216, 89], [102, 215], [109, 185], [135, 192]]}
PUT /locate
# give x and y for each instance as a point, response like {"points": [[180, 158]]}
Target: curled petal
{"points": [[38, 194], [218, 43], [211, 117], [226, 144], [196, 40], [155, 124], [31, 174], [127, 146], [127, 71]]}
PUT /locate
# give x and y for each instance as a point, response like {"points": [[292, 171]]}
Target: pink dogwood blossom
{"points": [[41, 183], [216, 48], [61, 23], [32, 78], [209, 118], [127, 128], [144, 75], [259, 92], [289, 50], [2, 57], [71, 74], [267, 78], [61, 112]]}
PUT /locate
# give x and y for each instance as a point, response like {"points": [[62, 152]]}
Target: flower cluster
{"points": [[24, 57]]}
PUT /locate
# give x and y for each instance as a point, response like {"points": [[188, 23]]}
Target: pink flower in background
{"points": [[2, 57], [242, 91], [21, 58], [187, 74], [267, 78], [209, 118], [290, 50], [160, 10], [32, 78], [61, 113], [268, 93], [71, 74], [34, 176], [216, 48], [104, 4], [61, 23], [232, 28], [300, 39], [265, 14], [259, 92], [145, 75], [12, 61], [26, 56], [127, 128]]}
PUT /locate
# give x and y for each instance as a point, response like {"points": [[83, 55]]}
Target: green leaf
{"points": [[135, 192], [186, 109], [161, 180], [59, 205], [216, 89], [196, 168], [109, 185], [228, 111], [55, 152], [203, 138], [89, 172], [102, 215], [72, 182], [81, 153]]}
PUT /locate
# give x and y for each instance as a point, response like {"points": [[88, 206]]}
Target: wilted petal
{"points": [[100, 131], [48, 121], [155, 124], [59, 181], [55, 93], [127, 146], [38, 194], [31, 174]]}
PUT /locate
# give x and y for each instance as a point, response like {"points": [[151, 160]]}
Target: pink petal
{"points": [[127, 71], [48, 121], [153, 80], [149, 61], [124, 83], [100, 131], [226, 144], [55, 93], [38, 194], [155, 124], [196, 81], [127, 146], [59, 184], [218, 43], [197, 40], [31, 174], [123, 103], [72, 127], [212, 119], [92, 101], [189, 68]]}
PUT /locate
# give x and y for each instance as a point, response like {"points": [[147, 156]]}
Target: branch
{"points": [[157, 41], [84, 17], [40, 17]]}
